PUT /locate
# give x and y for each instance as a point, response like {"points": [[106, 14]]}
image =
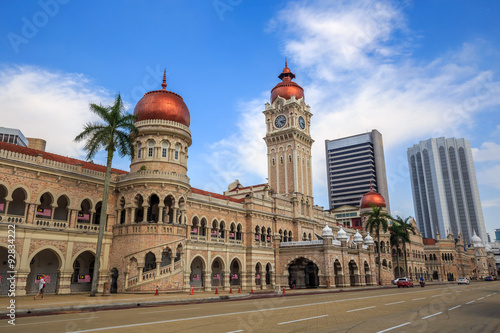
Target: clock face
{"points": [[302, 122], [280, 121]]}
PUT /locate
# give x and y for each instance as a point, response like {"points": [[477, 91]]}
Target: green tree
{"points": [[396, 234], [114, 133], [376, 221], [406, 228]]}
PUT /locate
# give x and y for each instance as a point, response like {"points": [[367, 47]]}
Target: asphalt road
{"points": [[453, 308]]}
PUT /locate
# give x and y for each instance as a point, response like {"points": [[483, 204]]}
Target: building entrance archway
{"points": [[197, 271], [44, 262], [303, 273]]}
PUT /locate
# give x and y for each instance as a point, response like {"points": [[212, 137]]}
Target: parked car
{"points": [[488, 278], [404, 282], [395, 281], [463, 280]]}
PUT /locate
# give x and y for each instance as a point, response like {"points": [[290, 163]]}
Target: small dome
{"points": [[327, 231], [476, 240], [369, 240], [342, 235], [372, 198], [488, 248], [162, 104], [287, 88], [357, 237]]}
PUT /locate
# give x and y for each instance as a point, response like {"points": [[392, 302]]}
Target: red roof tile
{"points": [[215, 195], [429, 241], [57, 158]]}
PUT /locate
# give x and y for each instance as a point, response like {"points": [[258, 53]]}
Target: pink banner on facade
{"points": [[47, 278], [256, 237], [82, 216], [231, 235], [2, 207], [43, 212], [214, 233], [194, 230], [216, 277], [83, 278]]}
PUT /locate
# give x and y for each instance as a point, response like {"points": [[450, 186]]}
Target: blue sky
{"points": [[411, 69]]}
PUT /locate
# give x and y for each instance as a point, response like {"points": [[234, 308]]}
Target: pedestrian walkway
{"points": [[83, 302]]}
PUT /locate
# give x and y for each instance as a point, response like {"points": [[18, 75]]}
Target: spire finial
{"points": [[286, 65], [164, 84]]}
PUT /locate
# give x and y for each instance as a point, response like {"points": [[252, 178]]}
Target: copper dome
{"points": [[286, 88], [162, 104], [372, 198]]}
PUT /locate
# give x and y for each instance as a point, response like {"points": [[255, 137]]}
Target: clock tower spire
{"points": [[288, 139]]}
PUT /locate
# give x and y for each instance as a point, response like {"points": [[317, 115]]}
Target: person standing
{"points": [[41, 286]]}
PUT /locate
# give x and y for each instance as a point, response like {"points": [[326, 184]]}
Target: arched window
{"points": [[139, 152], [151, 145], [164, 149], [177, 150]]}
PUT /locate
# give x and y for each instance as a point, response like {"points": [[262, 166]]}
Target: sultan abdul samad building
{"points": [[162, 232]]}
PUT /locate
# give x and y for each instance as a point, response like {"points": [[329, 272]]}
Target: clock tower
{"points": [[288, 139]]}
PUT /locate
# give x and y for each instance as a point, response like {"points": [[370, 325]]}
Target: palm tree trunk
{"points": [[406, 263], [379, 263], [397, 258], [102, 225]]}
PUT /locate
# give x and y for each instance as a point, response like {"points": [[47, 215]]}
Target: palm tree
{"points": [[396, 234], [406, 228], [377, 220], [115, 133]]}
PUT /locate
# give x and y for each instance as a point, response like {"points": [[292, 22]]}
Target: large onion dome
{"points": [[372, 198], [162, 104], [287, 88]]}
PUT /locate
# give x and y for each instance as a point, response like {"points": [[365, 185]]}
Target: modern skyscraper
{"points": [[444, 185], [353, 163]]}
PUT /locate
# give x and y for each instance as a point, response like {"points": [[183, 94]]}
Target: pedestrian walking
{"points": [[41, 287]]}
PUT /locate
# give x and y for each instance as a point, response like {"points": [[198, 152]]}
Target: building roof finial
{"points": [[286, 65], [164, 84]]}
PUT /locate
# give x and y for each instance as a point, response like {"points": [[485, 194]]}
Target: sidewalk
{"points": [[26, 305]]}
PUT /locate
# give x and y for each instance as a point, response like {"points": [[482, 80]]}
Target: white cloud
{"points": [[489, 176], [354, 61], [53, 106], [241, 156], [495, 202], [489, 151]]}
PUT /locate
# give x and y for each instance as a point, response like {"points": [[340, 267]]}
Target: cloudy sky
{"points": [[411, 69]]}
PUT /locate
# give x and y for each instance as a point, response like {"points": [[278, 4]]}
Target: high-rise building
{"points": [[12, 135], [444, 186], [497, 235], [353, 165]]}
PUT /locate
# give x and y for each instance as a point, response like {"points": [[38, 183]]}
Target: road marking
{"points": [[436, 296], [432, 315], [480, 298], [170, 310], [361, 309], [52, 321], [488, 295], [395, 303], [236, 331], [454, 307], [294, 321], [415, 299], [242, 312], [470, 302], [388, 329]]}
